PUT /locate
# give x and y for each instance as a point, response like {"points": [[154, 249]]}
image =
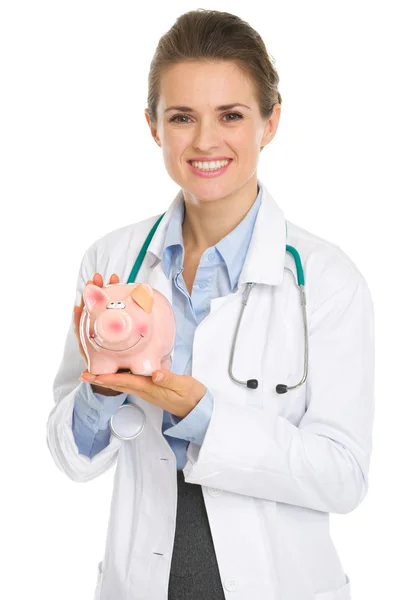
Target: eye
{"points": [[235, 114], [173, 119], [114, 304]]}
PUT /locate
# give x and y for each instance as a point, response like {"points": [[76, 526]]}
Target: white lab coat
{"points": [[272, 467]]}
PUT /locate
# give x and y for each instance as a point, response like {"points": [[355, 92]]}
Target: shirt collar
{"points": [[232, 248], [265, 258]]}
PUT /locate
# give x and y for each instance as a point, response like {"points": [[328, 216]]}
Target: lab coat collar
{"points": [[265, 257]]}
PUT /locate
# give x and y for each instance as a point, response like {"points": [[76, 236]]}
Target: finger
{"points": [[140, 383], [77, 316], [98, 279], [114, 279]]}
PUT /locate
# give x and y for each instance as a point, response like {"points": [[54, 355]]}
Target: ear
{"points": [[143, 295], [271, 125], [93, 295]]}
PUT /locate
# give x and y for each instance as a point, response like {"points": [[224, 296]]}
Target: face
{"points": [[205, 131]]}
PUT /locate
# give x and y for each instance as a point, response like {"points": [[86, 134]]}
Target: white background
{"points": [[78, 160]]}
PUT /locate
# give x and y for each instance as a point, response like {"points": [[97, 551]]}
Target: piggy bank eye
{"points": [[115, 305]]}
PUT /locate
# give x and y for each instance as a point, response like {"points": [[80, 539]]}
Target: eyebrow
{"points": [[188, 109]]}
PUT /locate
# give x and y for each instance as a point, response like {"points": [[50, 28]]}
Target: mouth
{"points": [[112, 349], [209, 172], [192, 160]]}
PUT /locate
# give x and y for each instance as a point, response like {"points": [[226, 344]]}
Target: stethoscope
{"points": [[130, 420]]}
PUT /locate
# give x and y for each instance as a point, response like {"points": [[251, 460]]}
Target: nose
{"points": [[207, 137], [114, 327]]}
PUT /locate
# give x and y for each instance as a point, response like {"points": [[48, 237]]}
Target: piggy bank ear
{"points": [[143, 295], [93, 295]]}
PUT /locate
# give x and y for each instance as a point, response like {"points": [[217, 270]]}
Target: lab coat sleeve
{"points": [[91, 418], [60, 437], [323, 462], [193, 427]]}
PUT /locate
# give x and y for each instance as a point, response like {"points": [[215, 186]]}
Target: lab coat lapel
{"points": [[265, 257], [264, 264]]}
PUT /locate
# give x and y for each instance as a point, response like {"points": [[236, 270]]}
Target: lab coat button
{"points": [[214, 492], [231, 584]]}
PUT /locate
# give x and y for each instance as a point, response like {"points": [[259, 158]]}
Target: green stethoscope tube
{"points": [[250, 383]]}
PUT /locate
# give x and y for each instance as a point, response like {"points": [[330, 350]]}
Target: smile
{"points": [[212, 172], [112, 349]]}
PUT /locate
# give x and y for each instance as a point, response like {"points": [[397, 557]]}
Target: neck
{"points": [[206, 222]]}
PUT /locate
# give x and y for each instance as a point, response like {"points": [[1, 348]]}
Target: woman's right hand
{"points": [[97, 280]]}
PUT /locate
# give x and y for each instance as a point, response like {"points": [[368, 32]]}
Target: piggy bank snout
{"points": [[115, 326]]}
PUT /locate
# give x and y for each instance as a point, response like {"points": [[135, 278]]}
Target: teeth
{"points": [[209, 166]]}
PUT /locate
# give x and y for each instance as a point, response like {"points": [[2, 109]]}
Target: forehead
{"points": [[197, 84]]}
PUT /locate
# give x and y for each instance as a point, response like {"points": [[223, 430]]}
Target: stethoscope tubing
{"points": [[253, 383]]}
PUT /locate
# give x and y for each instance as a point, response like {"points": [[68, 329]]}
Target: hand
{"points": [[177, 394], [97, 280]]}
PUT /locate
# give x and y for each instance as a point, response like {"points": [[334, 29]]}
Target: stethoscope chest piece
{"points": [[128, 422]]}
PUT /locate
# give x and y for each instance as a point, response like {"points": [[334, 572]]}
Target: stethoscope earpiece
{"points": [[252, 383]]}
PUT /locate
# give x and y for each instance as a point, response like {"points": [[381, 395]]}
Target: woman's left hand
{"points": [[177, 394]]}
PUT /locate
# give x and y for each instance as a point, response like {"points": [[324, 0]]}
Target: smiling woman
{"points": [[230, 485]]}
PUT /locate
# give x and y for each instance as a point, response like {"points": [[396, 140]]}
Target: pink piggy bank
{"points": [[126, 326]]}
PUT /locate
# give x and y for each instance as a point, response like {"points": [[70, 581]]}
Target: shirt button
{"points": [[93, 413], [231, 584], [202, 285], [211, 256], [214, 492], [90, 419]]}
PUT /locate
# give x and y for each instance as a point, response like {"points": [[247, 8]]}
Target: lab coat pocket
{"points": [[342, 593], [97, 592]]}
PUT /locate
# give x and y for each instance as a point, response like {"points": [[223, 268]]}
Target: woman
{"points": [[238, 499]]}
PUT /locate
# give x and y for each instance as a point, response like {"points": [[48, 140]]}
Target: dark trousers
{"points": [[194, 568]]}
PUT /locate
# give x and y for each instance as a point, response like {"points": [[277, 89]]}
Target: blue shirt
{"points": [[217, 275]]}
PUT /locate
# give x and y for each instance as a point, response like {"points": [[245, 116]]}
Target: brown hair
{"points": [[211, 35]]}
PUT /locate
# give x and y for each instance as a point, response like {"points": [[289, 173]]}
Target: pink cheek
{"points": [[142, 329]]}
